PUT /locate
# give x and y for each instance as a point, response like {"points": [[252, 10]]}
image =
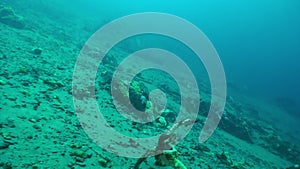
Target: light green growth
{"points": [[136, 87], [169, 158], [103, 162], [78, 153], [22, 69], [2, 82], [179, 165]]}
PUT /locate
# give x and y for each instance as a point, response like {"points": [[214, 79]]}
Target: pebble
{"points": [[79, 159], [22, 117], [103, 162], [37, 51], [80, 164], [37, 127], [35, 167], [10, 142], [32, 120], [3, 145], [2, 82]]}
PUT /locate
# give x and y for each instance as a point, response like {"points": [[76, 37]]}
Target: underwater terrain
{"points": [[39, 127]]}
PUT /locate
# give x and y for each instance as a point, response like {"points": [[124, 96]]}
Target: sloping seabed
{"points": [[39, 127]]}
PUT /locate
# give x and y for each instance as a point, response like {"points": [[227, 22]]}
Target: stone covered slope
{"points": [[39, 127]]}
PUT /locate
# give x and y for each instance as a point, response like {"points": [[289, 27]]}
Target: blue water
{"points": [[257, 41]]}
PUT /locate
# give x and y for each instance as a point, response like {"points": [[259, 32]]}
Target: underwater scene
{"points": [[149, 84]]}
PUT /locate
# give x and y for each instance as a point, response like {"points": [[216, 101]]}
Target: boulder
{"points": [[138, 95], [8, 17]]}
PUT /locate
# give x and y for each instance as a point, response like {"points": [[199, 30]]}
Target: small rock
{"points": [[162, 121], [6, 165], [37, 127], [30, 137], [10, 123], [78, 153], [37, 51], [3, 145], [75, 145], [10, 142], [11, 98], [35, 167], [103, 162], [22, 117], [2, 82], [80, 164], [32, 120], [6, 136], [71, 164], [79, 159], [60, 67]]}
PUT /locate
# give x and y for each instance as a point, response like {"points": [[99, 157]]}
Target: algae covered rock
{"points": [[169, 158], [8, 17], [138, 95]]}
